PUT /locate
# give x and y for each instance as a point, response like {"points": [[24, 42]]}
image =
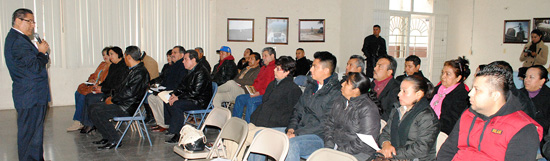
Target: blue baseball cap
{"points": [[225, 49]]}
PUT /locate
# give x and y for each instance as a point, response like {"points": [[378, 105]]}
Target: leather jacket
{"points": [[131, 91], [227, 71], [195, 87]]}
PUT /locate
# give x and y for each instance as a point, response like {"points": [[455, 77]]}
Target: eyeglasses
{"points": [[29, 21]]}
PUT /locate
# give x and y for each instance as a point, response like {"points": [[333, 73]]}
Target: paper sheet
{"points": [[158, 89], [369, 140]]}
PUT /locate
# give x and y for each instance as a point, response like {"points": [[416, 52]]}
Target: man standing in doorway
{"points": [[374, 46], [26, 63]]}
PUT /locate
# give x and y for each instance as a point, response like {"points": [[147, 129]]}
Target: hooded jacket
{"points": [[509, 134], [225, 70], [310, 113]]}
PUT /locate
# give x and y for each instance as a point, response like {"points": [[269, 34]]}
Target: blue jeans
{"points": [[245, 100], [300, 146], [79, 105]]}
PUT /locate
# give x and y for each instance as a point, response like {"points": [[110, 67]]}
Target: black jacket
{"points": [[542, 104], [131, 91], [205, 64], [401, 77], [172, 76], [422, 135], [277, 104], [526, 103], [388, 97], [310, 113], [196, 87], [452, 107], [374, 47], [522, 146], [227, 71], [361, 116], [302, 66], [117, 73], [242, 64]]}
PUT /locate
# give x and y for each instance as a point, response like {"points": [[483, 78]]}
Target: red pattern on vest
{"points": [[497, 135]]}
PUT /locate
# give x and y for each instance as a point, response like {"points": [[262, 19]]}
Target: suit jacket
{"points": [[28, 72], [388, 97]]}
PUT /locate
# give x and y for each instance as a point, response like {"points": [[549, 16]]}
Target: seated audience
{"points": [[83, 89], [202, 59], [117, 72], [451, 97], [229, 91], [302, 63], [527, 105], [194, 92], [534, 52], [355, 112], [278, 102], [243, 63], [494, 127], [226, 69], [412, 129], [306, 127], [412, 67], [252, 100], [168, 62], [534, 82], [385, 86], [171, 79], [124, 101], [356, 63]]}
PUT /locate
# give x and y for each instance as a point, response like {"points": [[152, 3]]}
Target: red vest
{"points": [[495, 138]]}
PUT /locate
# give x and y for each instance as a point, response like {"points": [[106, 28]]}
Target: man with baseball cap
{"points": [[226, 69]]}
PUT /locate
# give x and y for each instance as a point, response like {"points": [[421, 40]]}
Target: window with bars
{"points": [[409, 29]]}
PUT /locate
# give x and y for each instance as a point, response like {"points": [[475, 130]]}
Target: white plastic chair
{"points": [[269, 142], [325, 154], [440, 140]]}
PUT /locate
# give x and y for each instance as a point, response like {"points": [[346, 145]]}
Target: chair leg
{"points": [[146, 132], [136, 126], [123, 134], [117, 126]]}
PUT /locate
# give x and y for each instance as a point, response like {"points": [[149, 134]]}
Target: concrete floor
{"points": [[72, 146]]}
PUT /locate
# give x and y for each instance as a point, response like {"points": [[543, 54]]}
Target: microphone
{"points": [[37, 37]]}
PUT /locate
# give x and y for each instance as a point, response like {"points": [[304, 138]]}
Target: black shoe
{"points": [[174, 139], [87, 129], [102, 141], [108, 146]]}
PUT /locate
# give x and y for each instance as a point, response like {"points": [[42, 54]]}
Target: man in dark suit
{"points": [[26, 63], [385, 86]]}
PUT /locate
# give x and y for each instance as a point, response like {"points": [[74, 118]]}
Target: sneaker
{"points": [[75, 126]]}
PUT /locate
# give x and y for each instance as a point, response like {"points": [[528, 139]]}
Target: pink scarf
{"points": [[439, 97]]}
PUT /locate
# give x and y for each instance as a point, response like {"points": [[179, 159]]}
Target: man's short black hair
{"points": [[181, 49], [393, 63], [19, 13], [300, 49], [376, 26], [498, 78], [256, 55], [327, 60], [415, 59], [193, 55], [287, 63]]}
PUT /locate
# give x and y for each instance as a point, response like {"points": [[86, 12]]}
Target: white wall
{"points": [[487, 19]]}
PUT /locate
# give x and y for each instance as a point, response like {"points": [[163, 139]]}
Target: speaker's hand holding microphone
{"points": [[43, 46]]}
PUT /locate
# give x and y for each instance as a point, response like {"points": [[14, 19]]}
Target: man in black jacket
{"points": [[302, 63], [412, 67], [202, 59], [193, 93], [226, 69], [124, 101], [385, 86], [374, 47]]}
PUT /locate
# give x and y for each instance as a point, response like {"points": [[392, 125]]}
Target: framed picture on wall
{"points": [[276, 31], [240, 30], [311, 30], [516, 31], [543, 24]]}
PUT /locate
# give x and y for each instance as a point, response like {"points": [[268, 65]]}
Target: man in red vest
{"points": [[494, 127]]}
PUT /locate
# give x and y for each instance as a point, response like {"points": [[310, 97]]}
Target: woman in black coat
{"points": [[353, 112]]}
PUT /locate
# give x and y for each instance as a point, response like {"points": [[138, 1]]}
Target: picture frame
{"points": [[543, 24], [516, 31], [311, 30], [276, 31], [240, 30]]}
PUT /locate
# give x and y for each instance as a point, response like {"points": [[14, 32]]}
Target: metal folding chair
{"points": [[201, 114], [139, 118]]}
